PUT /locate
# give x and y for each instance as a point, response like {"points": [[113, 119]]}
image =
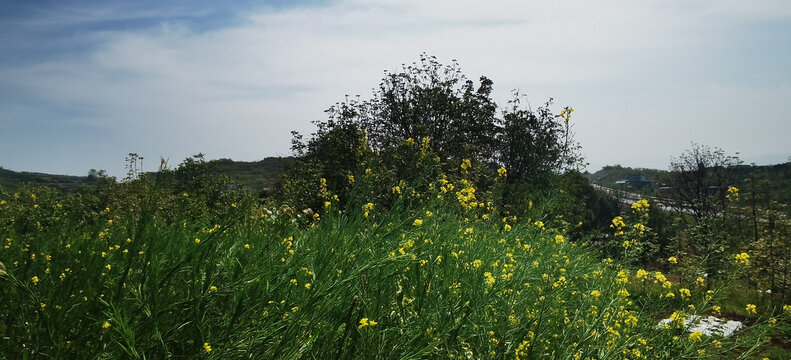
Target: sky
{"points": [[84, 83]]}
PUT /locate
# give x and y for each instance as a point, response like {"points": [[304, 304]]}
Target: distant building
{"points": [[636, 180]]}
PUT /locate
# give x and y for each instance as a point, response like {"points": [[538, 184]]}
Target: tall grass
{"points": [[411, 282]]}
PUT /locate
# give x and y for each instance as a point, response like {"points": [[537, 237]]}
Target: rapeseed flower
{"points": [[751, 309], [695, 336], [366, 322]]}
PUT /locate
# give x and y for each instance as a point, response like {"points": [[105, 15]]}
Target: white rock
{"points": [[708, 326]]}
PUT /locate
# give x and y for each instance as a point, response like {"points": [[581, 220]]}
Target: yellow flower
{"points": [[34, 280], [197, 241], [109, 267], [490, 280], [212, 288], [672, 260], [206, 347], [751, 309], [684, 292], [307, 286], [695, 336], [417, 222], [733, 194], [642, 274], [366, 322], [247, 246], [106, 325], [742, 258], [559, 239], [327, 204], [596, 294], [507, 227]]}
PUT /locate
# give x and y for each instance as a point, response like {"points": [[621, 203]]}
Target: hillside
{"points": [[10, 181], [256, 175], [766, 181]]}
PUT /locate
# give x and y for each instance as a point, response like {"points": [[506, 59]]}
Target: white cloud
{"points": [[238, 91]]}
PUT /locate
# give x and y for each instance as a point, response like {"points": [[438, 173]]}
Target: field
{"points": [[140, 270]]}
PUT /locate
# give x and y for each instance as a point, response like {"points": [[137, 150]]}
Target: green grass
{"points": [[135, 284]]}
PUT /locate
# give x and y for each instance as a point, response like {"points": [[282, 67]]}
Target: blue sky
{"points": [[83, 83]]}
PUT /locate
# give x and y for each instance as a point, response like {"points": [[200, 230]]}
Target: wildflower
{"points": [[476, 264], [751, 309], [700, 281], [596, 294], [212, 288], [716, 309], [465, 164], [489, 278], [417, 222], [34, 280], [206, 347], [197, 241], [641, 206], [502, 172], [109, 267], [507, 227], [106, 325], [695, 336], [642, 274], [623, 292], [684, 292], [660, 277], [247, 246], [327, 204], [742, 258], [672, 260], [787, 308], [366, 322], [351, 178], [559, 239], [307, 286], [733, 194]]}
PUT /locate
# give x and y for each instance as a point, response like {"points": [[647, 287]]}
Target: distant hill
{"points": [[256, 175], [12, 180], [771, 181], [610, 174]]}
